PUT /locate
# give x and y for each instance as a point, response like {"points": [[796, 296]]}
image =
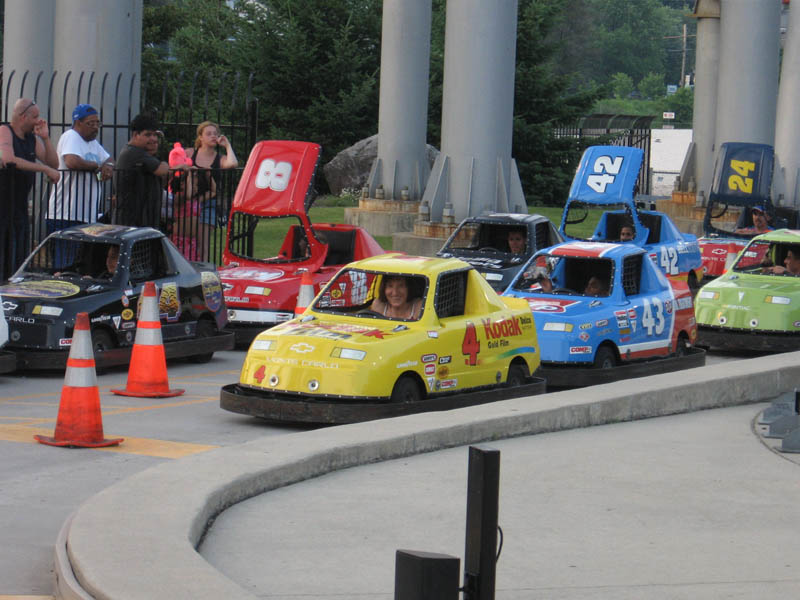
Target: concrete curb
{"points": [[137, 539]]}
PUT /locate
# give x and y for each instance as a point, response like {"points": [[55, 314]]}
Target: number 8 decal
{"points": [[272, 175]]}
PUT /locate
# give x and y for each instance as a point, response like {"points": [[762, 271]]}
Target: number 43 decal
{"points": [[607, 168]]}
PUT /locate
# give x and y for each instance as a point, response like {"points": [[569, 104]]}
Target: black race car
{"points": [[486, 243], [101, 269]]}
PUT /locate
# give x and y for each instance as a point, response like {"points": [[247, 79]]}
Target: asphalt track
{"points": [[687, 506], [42, 486]]}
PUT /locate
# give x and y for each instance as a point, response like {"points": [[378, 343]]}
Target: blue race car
{"points": [[601, 305], [601, 204]]}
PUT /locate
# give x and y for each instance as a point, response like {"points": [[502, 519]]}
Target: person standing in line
{"points": [[140, 176], [86, 164], [24, 140], [210, 164]]}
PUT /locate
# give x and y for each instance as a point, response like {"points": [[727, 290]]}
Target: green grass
{"points": [[269, 234]]}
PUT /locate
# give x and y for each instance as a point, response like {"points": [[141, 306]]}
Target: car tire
{"points": [[205, 328], [517, 375], [101, 341], [605, 358], [682, 347], [694, 285], [406, 389]]}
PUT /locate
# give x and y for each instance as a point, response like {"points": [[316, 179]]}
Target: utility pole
{"points": [[683, 57]]}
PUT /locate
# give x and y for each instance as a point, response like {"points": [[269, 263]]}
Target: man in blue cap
{"points": [[760, 221], [77, 197]]}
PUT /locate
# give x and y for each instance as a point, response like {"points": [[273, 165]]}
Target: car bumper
{"points": [[727, 339], [301, 409]]}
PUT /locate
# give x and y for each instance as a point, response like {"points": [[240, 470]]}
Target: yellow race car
{"points": [[386, 333]]}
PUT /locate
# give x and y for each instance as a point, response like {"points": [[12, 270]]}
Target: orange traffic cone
{"points": [[80, 423], [147, 375], [306, 294]]}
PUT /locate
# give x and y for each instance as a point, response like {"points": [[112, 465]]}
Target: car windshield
{"points": [[60, 257], [769, 258], [371, 294], [598, 223], [269, 239], [507, 238], [572, 275]]}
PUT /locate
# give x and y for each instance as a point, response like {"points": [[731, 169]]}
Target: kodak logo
{"points": [[501, 329]]}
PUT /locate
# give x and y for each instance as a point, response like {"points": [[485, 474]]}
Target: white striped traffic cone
{"points": [[147, 375], [80, 422], [306, 294]]}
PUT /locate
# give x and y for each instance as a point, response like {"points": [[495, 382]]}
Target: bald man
{"points": [[22, 142]]}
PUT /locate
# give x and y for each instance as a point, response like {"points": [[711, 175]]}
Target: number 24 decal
{"points": [[741, 181], [608, 168]]}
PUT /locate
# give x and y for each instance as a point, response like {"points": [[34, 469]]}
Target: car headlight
{"points": [[257, 290], [557, 327], [263, 345], [49, 311], [348, 353], [777, 300], [706, 295]]}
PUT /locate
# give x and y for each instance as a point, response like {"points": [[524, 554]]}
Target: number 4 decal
{"points": [[470, 347], [260, 374], [608, 168]]}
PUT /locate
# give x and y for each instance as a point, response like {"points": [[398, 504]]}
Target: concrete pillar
{"points": [[475, 171], [93, 38], [787, 142], [403, 114], [707, 13], [27, 47], [747, 89]]}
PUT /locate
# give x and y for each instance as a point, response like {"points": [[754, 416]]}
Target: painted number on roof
{"points": [[605, 170], [272, 175], [741, 181]]}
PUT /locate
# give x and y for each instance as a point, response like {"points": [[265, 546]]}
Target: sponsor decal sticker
{"points": [[601, 323], [169, 304], [212, 290], [443, 360], [682, 303], [433, 334], [128, 325], [430, 369], [257, 275], [428, 358], [586, 325], [408, 363], [301, 348], [39, 289], [444, 371], [127, 314], [447, 384], [584, 336], [65, 342], [580, 349], [117, 319]]}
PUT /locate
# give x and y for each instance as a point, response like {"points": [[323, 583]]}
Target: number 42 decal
{"points": [[607, 168]]}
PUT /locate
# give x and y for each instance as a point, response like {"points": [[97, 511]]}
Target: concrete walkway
{"points": [[137, 539]]}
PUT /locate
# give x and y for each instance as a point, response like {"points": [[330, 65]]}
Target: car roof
{"points": [[593, 250], [789, 236], [506, 218], [100, 232], [405, 264]]}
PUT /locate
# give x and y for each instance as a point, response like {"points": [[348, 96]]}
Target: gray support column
{"points": [[403, 116], [705, 93], [748, 72], [27, 47], [475, 171], [99, 37], [787, 141]]}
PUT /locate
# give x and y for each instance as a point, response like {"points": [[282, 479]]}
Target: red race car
{"points": [[271, 241]]}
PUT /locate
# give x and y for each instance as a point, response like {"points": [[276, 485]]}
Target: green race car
{"points": [[755, 304]]}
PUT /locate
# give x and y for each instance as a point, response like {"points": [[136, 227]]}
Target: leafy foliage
{"points": [[622, 84], [652, 86]]}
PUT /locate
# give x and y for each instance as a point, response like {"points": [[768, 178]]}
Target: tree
{"points": [[652, 86], [682, 104], [621, 85]]}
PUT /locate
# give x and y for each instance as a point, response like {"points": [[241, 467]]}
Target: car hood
{"points": [[328, 333], [49, 291], [753, 302]]}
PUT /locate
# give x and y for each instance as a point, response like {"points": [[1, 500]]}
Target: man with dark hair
{"points": [[139, 177], [791, 262]]}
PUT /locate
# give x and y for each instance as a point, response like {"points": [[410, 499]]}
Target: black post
{"points": [[480, 554], [425, 576]]}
